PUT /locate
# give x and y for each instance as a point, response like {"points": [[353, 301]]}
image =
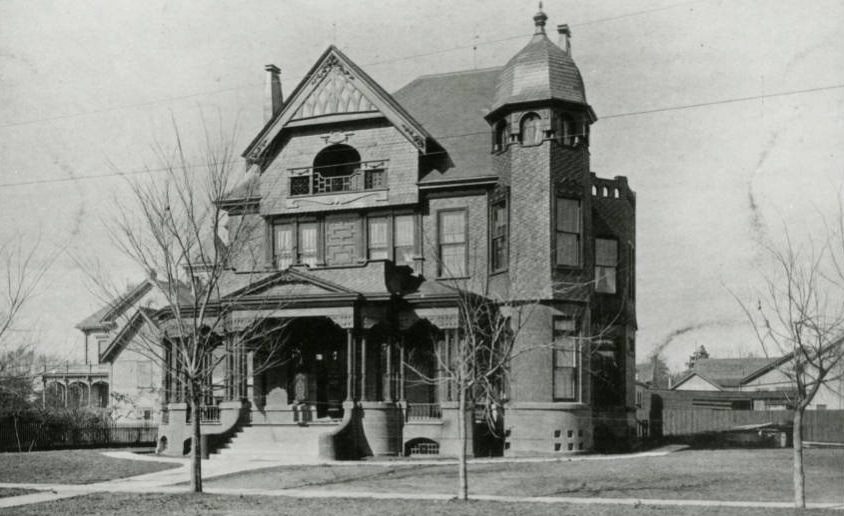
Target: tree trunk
{"points": [[462, 477], [196, 443], [799, 476]]}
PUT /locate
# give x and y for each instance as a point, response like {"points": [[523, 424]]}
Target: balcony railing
{"points": [[366, 175], [424, 411], [209, 415]]}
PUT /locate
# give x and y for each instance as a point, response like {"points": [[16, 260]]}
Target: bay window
{"points": [[566, 359]]}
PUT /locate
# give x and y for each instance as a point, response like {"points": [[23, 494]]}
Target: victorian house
{"points": [[379, 214]]}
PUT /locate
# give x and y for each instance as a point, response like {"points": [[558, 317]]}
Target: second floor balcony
{"points": [[350, 177]]}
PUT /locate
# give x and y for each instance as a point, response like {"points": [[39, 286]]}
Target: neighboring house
{"points": [[378, 214], [758, 379], [123, 380], [719, 374]]}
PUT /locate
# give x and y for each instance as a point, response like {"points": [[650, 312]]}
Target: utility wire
{"points": [[443, 137], [374, 63]]}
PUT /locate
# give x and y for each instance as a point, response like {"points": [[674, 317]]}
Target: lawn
{"points": [[71, 467], [108, 504], [750, 475]]}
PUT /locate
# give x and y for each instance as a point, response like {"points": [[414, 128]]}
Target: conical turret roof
{"points": [[540, 71]]}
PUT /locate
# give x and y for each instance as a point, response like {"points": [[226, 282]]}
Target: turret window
{"points": [[568, 132], [498, 235], [501, 136], [566, 359], [531, 129], [568, 232]]}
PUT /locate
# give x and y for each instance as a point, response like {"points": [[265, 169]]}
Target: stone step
{"points": [[275, 442]]}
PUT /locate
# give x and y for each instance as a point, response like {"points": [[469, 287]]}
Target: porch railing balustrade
{"points": [[424, 411], [209, 415], [369, 175]]}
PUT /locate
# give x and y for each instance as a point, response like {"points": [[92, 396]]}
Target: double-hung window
{"points": [[498, 237], [566, 359], [283, 245], [452, 243], [378, 238], [404, 239], [606, 265], [308, 243], [568, 232]]}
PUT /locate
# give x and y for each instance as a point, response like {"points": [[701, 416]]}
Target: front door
{"points": [[330, 382]]}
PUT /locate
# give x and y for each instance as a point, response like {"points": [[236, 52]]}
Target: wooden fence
{"points": [[818, 425], [25, 436]]}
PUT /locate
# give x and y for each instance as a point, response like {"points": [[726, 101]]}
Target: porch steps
{"points": [[278, 442]]}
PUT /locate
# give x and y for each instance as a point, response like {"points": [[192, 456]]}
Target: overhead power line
{"points": [[449, 136], [374, 63], [727, 101]]}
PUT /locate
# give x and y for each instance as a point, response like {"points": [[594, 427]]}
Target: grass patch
{"points": [[751, 475], [71, 467], [107, 504], [13, 491]]}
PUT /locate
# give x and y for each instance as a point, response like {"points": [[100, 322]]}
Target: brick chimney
{"points": [[565, 38], [273, 99]]}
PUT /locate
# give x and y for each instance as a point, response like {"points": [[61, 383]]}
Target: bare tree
{"points": [[23, 269], [799, 316], [181, 233], [475, 364]]}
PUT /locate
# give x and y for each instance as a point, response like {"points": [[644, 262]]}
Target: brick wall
{"points": [[477, 212], [570, 178], [530, 222]]}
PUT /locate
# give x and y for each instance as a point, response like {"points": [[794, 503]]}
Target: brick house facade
{"points": [[474, 182]]}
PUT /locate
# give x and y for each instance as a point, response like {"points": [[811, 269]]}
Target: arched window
{"points": [[501, 137], [334, 169], [531, 130], [568, 131]]}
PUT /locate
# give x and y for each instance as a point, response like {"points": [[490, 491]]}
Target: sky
{"points": [[726, 116]]}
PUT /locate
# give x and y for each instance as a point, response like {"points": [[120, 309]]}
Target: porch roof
{"points": [[373, 280]]}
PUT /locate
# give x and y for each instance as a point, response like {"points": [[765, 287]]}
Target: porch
{"points": [[359, 383]]}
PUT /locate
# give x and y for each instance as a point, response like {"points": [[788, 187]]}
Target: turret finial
{"points": [[539, 20]]}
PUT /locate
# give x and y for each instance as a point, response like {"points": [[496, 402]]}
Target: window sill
{"points": [[453, 278], [499, 271], [344, 192], [569, 268]]}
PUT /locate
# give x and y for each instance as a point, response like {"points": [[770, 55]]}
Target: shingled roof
{"points": [[726, 372], [105, 317], [451, 107]]}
